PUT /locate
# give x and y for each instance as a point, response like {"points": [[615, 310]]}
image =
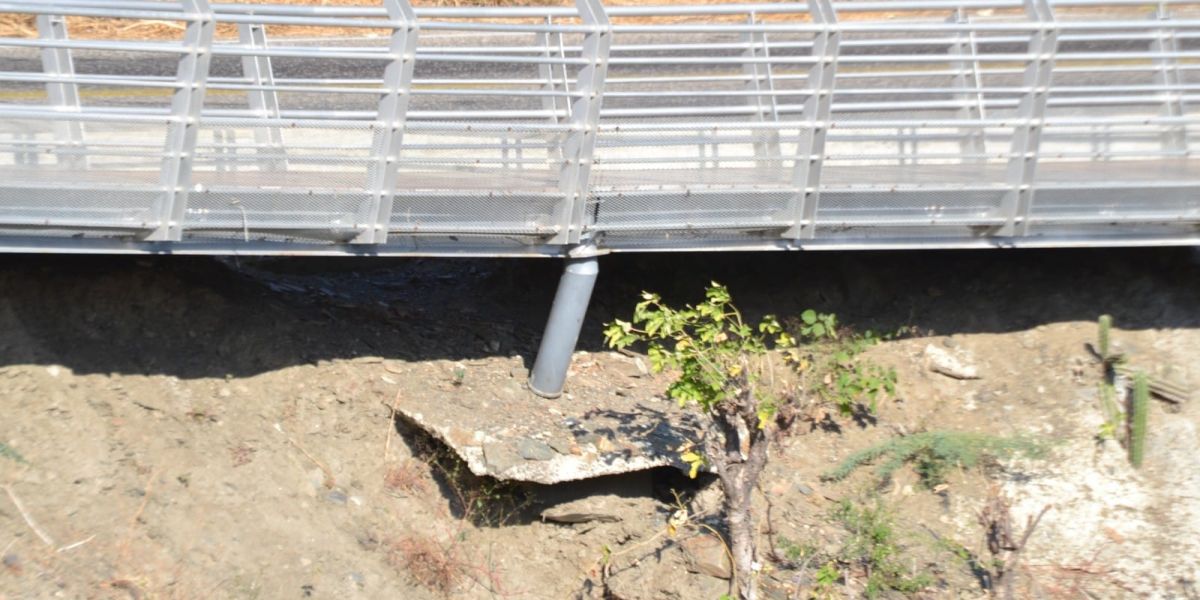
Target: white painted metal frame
{"points": [[761, 86], [818, 108], [584, 122], [179, 153], [715, 126], [393, 116], [1169, 77], [57, 64], [263, 98], [1022, 166], [966, 77]]}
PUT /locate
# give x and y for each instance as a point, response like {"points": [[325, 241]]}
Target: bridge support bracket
{"points": [[549, 374]]}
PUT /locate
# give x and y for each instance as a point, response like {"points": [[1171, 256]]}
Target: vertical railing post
{"points": [[967, 79], [1166, 74], [57, 63], [818, 108], [186, 105], [575, 173], [390, 123], [558, 106], [760, 82], [1031, 110], [263, 101]]}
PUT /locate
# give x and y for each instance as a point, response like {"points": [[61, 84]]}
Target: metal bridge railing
{"points": [[516, 130]]}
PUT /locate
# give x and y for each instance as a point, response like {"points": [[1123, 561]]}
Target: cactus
{"points": [[1139, 405], [1105, 323]]}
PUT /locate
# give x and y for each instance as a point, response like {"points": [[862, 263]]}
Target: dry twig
{"points": [[329, 480], [28, 519]]}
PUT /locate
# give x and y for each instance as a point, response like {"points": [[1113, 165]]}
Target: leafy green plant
{"points": [[827, 577], [855, 382], [1139, 407], [934, 453], [818, 325], [723, 370], [835, 368], [794, 552], [873, 547]]}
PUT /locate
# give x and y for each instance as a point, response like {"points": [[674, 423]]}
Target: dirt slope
{"points": [[185, 428]]}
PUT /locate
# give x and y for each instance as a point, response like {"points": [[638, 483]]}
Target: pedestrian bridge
{"points": [[285, 129]]}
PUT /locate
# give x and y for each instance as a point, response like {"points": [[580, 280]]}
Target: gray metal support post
{"points": [[549, 373], [263, 101], [818, 110], [56, 62], [575, 174], [391, 121], [186, 105], [1027, 136]]}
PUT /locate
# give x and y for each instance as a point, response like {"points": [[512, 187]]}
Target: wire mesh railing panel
{"points": [[824, 123]]}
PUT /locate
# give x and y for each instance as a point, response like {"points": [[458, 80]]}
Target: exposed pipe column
{"points": [[549, 373]]}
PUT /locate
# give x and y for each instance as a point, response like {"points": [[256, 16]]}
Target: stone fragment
{"points": [[500, 457], [706, 554], [531, 449], [950, 365]]}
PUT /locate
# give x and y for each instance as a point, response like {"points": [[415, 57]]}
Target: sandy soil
{"points": [[188, 428]]}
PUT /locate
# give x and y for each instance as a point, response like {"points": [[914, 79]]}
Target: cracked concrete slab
{"points": [[503, 430]]}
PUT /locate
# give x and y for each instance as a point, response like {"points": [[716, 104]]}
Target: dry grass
{"points": [[428, 563], [407, 479]]}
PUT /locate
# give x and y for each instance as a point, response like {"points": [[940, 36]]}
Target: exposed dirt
{"points": [[187, 428]]}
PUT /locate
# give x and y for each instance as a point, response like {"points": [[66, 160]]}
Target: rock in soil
{"points": [[706, 554]]}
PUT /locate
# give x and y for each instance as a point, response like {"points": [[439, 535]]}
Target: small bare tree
{"points": [[1005, 544], [724, 371]]}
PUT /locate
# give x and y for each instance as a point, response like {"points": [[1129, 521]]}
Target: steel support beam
{"points": [[818, 110], [191, 79], [575, 173], [1027, 136], [57, 63], [390, 123], [549, 373], [262, 100]]}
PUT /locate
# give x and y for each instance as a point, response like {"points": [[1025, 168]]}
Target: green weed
{"points": [[873, 547], [934, 453]]}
